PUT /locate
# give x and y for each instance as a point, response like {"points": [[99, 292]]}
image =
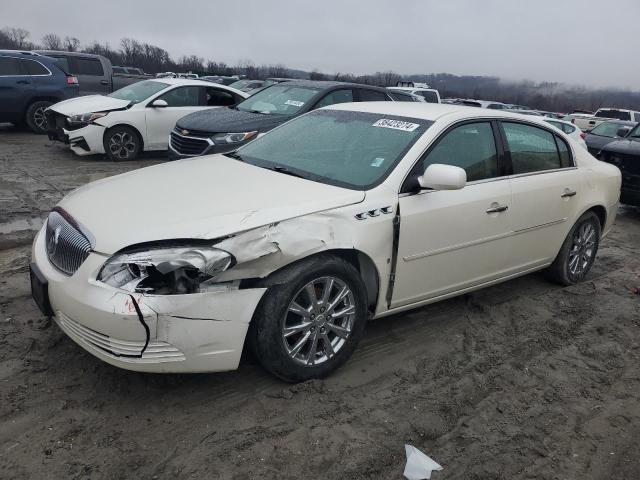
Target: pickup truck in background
{"points": [[588, 123], [94, 72]]}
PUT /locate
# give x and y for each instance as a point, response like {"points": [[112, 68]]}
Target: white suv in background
{"points": [[430, 95]]}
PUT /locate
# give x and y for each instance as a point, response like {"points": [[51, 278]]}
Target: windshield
{"points": [[281, 99], [609, 113], [635, 133], [350, 149], [607, 129], [140, 91]]}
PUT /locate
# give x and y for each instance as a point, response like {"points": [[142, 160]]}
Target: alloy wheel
{"points": [[582, 249], [122, 145], [39, 119], [318, 321]]}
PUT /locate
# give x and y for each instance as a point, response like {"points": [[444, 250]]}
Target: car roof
{"points": [[621, 122], [429, 111], [326, 84]]}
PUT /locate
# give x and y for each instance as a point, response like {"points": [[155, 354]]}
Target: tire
{"points": [[291, 358], [122, 143], [34, 117], [583, 240]]}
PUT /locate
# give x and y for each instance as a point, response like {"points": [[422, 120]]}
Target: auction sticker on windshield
{"points": [[294, 103], [396, 124]]}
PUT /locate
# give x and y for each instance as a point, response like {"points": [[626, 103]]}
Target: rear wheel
{"points": [[310, 320], [578, 252], [122, 143], [35, 117]]}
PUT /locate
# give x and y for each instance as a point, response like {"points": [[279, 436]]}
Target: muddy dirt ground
{"points": [[524, 380]]}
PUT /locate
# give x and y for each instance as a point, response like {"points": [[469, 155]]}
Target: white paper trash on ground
{"points": [[419, 466]]}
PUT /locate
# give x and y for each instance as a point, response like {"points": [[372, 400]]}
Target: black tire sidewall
{"points": [[567, 276], [121, 129], [29, 116], [265, 331]]}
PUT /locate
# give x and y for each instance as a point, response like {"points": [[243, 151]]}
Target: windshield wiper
{"points": [[257, 111], [234, 155], [286, 171]]}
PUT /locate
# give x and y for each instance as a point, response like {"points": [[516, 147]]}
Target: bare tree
{"points": [[71, 44], [51, 41], [18, 37]]}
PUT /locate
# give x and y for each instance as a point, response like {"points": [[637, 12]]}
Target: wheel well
{"points": [[39, 99], [367, 268], [128, 126], [601, 212]]}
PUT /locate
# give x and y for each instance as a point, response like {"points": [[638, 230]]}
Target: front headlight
{"points": [[86, 118], [166, 271], [222, 138]]}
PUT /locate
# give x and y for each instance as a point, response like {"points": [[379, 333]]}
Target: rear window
{"points": [[428, 95], [89, 66], [371, 95], [470, 104], [611, 113], [9, 66], [34, 68], [63, 63], [401, 97]]}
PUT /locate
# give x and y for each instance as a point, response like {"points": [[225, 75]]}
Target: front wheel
{"points": [[122, 143], [578, 251], [310, 320]]}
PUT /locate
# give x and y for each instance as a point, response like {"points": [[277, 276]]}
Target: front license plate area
{"points": [[40, 290]]}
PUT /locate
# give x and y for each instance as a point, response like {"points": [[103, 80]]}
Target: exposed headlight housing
{"points": [[166, 271], [85, 118], [222, 138]]}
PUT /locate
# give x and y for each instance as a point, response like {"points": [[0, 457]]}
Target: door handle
{"points": [[26, 82], [568, 193], [496, 208], [104, 82]]}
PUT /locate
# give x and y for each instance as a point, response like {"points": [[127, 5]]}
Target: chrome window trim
{"points": [[488, 119], [27, 74]]}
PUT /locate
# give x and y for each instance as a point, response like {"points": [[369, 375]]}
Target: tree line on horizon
{"points": [[549, 96]]}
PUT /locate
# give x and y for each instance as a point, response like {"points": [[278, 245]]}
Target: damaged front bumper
{"points": [[201, 332], [86, 140]]}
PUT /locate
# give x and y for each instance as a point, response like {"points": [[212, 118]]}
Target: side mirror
{"points": [[443, 177], [159, 103], [622, 132]]}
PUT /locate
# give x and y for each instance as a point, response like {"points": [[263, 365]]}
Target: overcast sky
{"points": [[585, 42]]}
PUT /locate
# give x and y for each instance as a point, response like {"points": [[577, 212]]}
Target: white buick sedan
{"points": [[292, 243], [136, 118]]}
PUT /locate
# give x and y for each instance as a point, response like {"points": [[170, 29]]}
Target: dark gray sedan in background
{"points": [[605, 133], [223, 130]]}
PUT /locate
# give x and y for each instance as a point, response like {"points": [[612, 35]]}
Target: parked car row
{"points": [[291, 242]]}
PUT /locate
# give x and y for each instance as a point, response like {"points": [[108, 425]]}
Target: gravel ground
{"points": [[524, 380]]}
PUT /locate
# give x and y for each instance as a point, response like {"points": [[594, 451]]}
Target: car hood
{"points": [[624, 146], [230, 120], [597, 141], [204, 198], [89, 104]]}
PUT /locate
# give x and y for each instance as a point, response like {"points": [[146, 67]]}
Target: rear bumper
{"points": [[201, 332]]}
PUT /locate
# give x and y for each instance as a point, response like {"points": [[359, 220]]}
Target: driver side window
{"points": [[182, 97], [337, 96], [470, 146]]}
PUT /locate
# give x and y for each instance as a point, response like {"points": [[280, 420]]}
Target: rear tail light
{"points": [[71, 80], [583, 135]]}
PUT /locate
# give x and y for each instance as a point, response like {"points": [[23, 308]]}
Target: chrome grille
{"points": [[188, 145], [66, 246]]}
